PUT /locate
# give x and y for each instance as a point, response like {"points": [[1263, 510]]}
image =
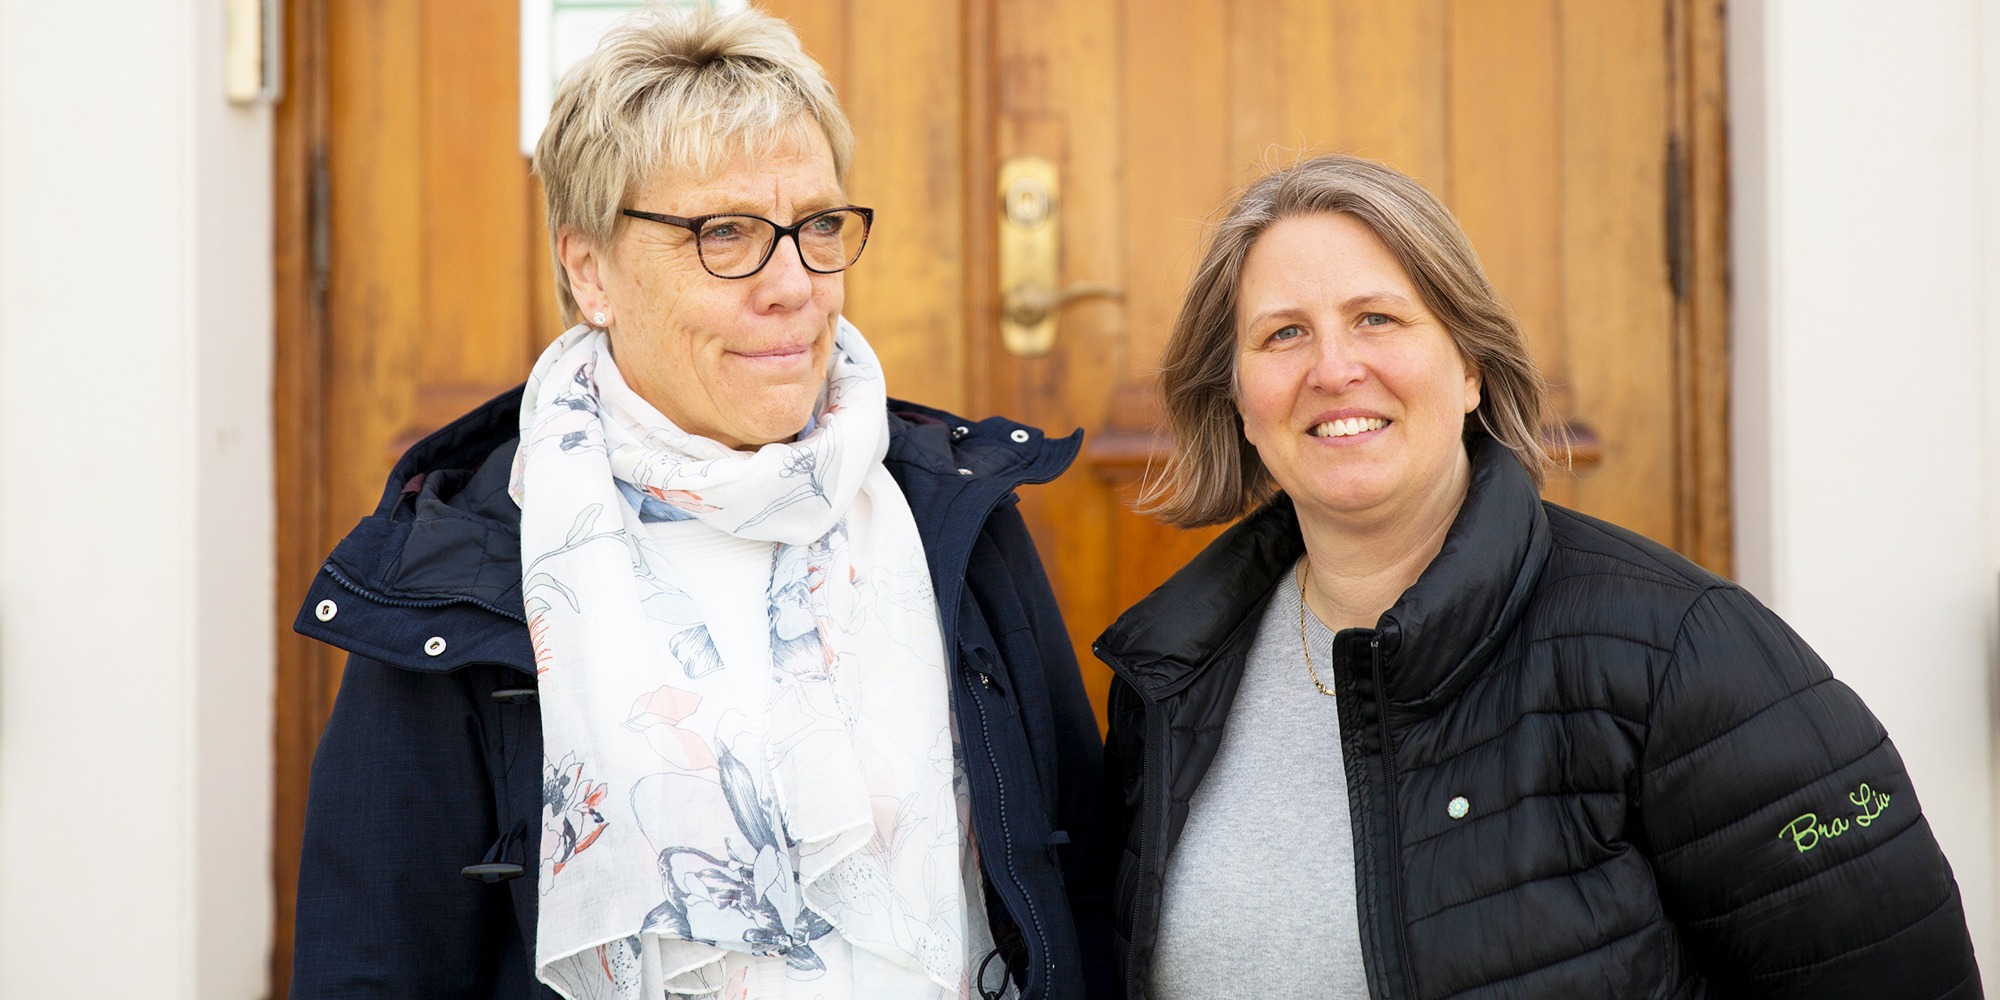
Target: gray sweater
{"points": [[1260, 889]]}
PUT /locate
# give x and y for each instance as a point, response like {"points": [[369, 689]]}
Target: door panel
{"points": [[900, 75], [1618, 304], [1546, 125], [1581, 144]]}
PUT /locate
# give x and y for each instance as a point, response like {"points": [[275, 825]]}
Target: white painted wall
{"points": [[1866, 156], [136, 615]]}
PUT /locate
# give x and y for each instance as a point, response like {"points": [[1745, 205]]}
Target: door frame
{"points": [[1698, 255], [308, 672]]}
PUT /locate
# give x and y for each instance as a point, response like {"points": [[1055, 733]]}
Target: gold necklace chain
{"points": [[1305, 570]]}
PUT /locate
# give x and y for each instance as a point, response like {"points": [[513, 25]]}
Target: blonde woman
{"points": [[697, 667], [1407, 731]]}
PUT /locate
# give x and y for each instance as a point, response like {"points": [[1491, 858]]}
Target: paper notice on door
{"points": [[556, 33]]}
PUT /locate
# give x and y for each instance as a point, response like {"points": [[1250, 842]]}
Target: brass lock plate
{"points": [[1030, 255]]}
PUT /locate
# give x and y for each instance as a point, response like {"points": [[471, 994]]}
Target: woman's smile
{"points": [[1353, 394], [1345, 429]]}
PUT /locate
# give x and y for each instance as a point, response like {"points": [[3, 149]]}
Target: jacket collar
{"points": [[1452, 621], [954, 473], [1170, 637], [465, 443], [1436, 636], [936, 442]]}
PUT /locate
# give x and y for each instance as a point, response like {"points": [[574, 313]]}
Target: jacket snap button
{"points": [[491, 873], [1458, 807], [434, 646], [1019, 436], [326, 611], [958, 433], [965, 472]]}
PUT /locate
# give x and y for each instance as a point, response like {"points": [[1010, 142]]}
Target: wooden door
{"points": [[1580, 142]]}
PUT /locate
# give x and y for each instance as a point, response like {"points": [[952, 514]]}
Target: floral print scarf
{"points": [[751, 780]]}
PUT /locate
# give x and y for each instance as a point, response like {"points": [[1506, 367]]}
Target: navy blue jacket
{"points": [[428, 777]]}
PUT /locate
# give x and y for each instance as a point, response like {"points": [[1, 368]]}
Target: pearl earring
{"points": [[598, 317]]}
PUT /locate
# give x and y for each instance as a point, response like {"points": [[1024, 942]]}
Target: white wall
{"points": [[135, 507], [1866, 156]]}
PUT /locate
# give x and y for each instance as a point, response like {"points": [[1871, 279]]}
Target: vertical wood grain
{"points": [[1389, 70], [979, 115], [1617, 304], [1283, 97], [475, 242], [1183, 156], [904, 75], [1506, 167]]}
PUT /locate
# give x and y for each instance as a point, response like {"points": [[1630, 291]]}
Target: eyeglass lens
{"points": [[733, 246]]}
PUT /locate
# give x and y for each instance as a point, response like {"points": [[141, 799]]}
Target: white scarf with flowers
{"points": [[751, 783]]}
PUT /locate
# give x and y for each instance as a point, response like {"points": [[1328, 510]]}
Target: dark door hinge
{"points": [[319, 227], [1677, 229]]}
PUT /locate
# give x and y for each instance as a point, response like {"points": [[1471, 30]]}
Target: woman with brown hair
{"points": [[1408, 731]]}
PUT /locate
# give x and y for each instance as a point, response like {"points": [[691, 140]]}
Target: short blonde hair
{"points": [[1213, 473], [682, 89]]}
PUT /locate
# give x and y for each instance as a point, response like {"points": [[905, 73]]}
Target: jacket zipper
{"points": [[1395, 858], [999, 782], [440, 602], [1007, 841]]}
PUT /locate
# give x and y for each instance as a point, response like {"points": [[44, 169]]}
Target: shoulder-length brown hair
{"points": [[1214, 474]]}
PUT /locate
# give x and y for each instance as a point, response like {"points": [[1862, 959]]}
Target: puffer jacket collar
{"points": [[1437, 635], [1174, 635], [445, 537], [1452, 621]]}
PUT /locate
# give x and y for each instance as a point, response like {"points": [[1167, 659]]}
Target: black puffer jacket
{"points": [[1670, 796]]}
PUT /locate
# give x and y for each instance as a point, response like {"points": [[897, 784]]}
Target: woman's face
{"points": [[738, 360], [1352, 392]]}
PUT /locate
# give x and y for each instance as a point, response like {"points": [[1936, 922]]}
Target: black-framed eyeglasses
{"points": [[733, 245]]}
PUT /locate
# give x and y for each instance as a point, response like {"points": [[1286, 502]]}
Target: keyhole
{"points": [[1027, 202]]}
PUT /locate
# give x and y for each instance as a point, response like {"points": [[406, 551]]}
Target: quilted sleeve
{"points": [[399, 803], [1789, 844]]}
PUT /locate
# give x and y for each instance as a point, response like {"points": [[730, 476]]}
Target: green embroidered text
{"points": [[1807, 831]]}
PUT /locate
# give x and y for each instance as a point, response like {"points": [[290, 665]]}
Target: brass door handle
{"points": [[1029, 305], [1030, 258]]}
